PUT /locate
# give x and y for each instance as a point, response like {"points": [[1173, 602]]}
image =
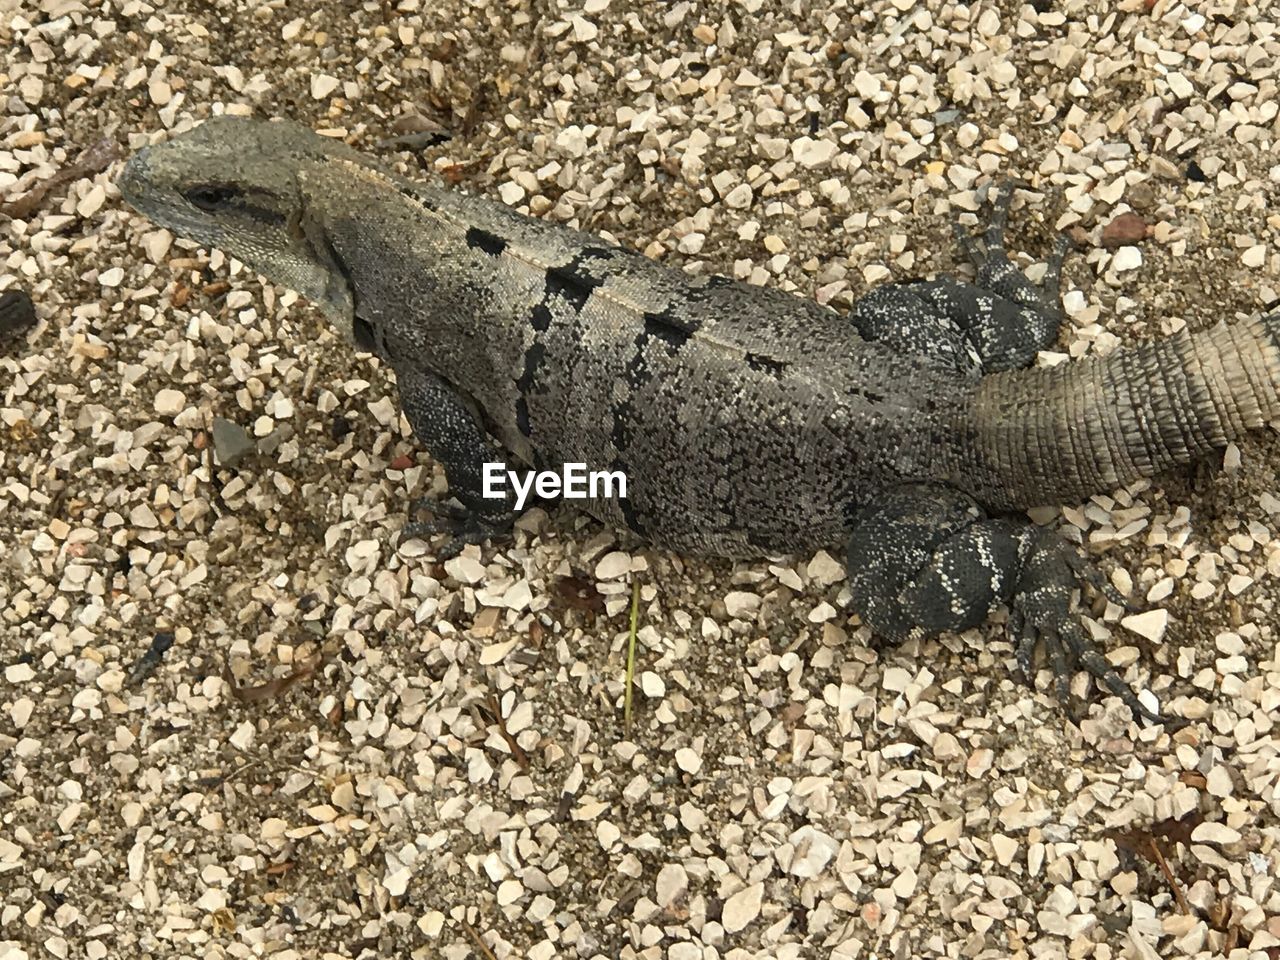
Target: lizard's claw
{"points": [[1040, 613], [441, 509], [463, 526], [1098, 582], [998, 273]]}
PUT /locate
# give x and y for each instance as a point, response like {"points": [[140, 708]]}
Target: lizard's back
{"points": [[745, 418]]}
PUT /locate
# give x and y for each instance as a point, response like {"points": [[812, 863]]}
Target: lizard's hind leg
{"points": [[998, 322], [924, 559]]}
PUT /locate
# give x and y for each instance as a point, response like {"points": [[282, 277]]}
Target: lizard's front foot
{"points": [[463, 525]]}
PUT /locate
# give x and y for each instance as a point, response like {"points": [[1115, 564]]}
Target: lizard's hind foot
{"points": [[998, 322], [1040, 611], [997, 273], [925, 559]]}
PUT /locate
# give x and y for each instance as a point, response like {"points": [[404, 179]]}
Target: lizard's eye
{"points": [[211, 197]]}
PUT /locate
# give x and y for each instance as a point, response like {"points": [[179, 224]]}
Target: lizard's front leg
{"points": [[448, 426], [924, 559]]}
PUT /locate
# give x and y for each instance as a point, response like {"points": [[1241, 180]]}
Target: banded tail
{"points": [[1064, 433]]}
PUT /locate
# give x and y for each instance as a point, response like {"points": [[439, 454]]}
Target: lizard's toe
{"points": [[1026, 640], [1051, 282], [1070, 649], [443, 510], [1042, 603], [996, 271], [463, 527], [1093, 578]]}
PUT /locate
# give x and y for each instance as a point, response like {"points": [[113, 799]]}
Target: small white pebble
{"points": [[809, 152], [1150, 624], [242, 738], [688, 760], [739, 198], [396, 881], [1238, 584], [613, 565], [741, 908], [1210, 832], [740, 604], [19, 673], [464, 569], [322, 84], [672, 883], [1218, 782], [652, 684], [1126, 258], [170, 403]]}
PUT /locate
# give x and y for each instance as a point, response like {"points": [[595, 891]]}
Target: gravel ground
{"points": [[236, 721]]}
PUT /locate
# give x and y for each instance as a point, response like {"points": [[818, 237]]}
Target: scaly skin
{"points": [[747, 420]]}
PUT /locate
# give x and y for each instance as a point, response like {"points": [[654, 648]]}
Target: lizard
{"points": [[913, 430]]}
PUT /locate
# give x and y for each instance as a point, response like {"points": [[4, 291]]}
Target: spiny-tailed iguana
{"points": [[747, 420]]}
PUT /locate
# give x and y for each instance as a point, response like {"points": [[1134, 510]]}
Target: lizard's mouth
{"points": [[133, 177]]}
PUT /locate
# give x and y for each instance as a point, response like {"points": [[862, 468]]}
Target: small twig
{"points": [[1168, 875], [484, 948], [631, 656], [212, 783], [95, 158], [517, 751]]}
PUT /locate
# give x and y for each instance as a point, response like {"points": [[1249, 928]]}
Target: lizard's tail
{"points": [[1062, 434]]}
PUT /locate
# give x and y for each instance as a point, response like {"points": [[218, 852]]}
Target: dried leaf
{"points": [[454, 173], [1149, 845], [494, 709], [223, 921], [1178, 831], [1220, 913], [1124, 229], [579, 593], [1233, 939], [1139, 840]]}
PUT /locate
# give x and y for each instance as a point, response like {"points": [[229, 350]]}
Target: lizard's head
{"points": [[237, 184]]}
